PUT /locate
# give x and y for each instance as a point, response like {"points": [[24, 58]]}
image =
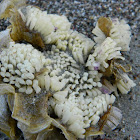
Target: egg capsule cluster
{"points": [[64, 66], [77, 43], [119, 32], [57, 31], [104, 52], [125, 84], [19, 63], [78, 110], [69, 68], [42, 22]]}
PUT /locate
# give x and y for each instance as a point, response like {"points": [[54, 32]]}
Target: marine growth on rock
{"points": [[54, 79]]}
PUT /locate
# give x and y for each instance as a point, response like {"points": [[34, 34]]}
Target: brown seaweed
{"points": [[68, 135], [105, 25], [115, 69], [91, 131], [9, 126], [20, 33], [104, 118], [7, 6]]}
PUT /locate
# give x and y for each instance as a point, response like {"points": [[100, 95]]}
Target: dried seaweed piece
{"points": [[104, 118], [43, 135], [105, 25], [7, 124], [20, 33], [10, 101], [50, 134], [6, 89], [7, 5], [12, 131], [27, 135], [31, 111], [67, 134], [4, 113], [93, 132], [19, 109], [39, 124]]}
